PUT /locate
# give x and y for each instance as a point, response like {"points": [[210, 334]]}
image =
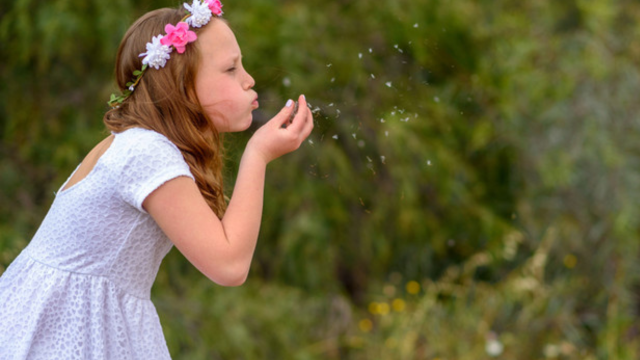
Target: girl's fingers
{"points": [[282, 118], [302, 117], [308, 125]]}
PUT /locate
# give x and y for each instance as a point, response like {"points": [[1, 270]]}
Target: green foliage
{"points": [[484, 151]]}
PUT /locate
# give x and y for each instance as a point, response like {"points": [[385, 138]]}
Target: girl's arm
{"points": [[223, 249]]}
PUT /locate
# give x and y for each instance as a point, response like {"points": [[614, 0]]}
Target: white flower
{"points": [[157, 54], [493, 347], [200, 14]]}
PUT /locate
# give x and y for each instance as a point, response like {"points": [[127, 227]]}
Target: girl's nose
{"points": [[250, 82]]}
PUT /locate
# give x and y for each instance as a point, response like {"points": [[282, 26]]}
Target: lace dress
{"points": [[80, 289]]}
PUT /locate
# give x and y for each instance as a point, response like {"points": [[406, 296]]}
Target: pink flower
{"points": [[215, 6], [178, 36]]}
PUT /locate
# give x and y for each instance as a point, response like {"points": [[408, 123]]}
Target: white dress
{"points": [[80, 289]]}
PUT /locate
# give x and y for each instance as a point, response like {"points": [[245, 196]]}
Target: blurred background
{"points": [[470, 190]]}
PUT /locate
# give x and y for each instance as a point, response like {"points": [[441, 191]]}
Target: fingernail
{"points": [[289, 103], [304, 97]]}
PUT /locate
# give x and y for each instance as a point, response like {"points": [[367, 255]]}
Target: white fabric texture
{"points": [[80, 289]]}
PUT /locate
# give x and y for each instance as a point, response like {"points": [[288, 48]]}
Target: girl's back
{"points": [[88, 271]]}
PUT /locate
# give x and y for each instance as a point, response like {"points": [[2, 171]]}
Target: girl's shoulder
{"points": [[140, 148], [135, 134], [140, 140], [142, 161]]}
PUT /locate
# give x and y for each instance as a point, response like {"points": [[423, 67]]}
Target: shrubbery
{"points": [[471, 188]]}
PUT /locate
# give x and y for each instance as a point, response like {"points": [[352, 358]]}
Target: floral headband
{"points": [[178, 37]]}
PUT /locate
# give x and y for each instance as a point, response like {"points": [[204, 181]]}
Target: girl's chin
{"points": [[242, 126]]}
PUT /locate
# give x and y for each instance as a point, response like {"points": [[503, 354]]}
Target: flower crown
{"points": [[177, 37]]}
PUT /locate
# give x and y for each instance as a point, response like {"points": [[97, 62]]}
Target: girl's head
{"points": [[222, 85], [198, 94]]}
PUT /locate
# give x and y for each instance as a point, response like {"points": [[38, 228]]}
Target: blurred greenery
{"points": [[470, 190]]}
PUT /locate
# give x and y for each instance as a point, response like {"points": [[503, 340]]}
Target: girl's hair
{"points": [[165, 101]]}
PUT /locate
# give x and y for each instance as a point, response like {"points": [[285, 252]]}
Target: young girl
{"points": [[80, 290]]}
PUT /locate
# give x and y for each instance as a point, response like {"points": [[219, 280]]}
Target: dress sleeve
{"points": [[150, 162]]}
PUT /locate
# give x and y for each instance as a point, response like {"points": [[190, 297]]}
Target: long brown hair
{"points": [[165, 101]]}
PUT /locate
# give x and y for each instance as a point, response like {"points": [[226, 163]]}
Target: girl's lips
{"points": [[255, 103]]}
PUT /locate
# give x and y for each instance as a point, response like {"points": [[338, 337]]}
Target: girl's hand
{"points": [[279, 136]]}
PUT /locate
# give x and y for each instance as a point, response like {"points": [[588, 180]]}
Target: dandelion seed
{"points": [[337, 113], [401, 111], [436, 99], [360, 55], [329, 65], [330, 104], [393, 113], [382, 120], [315, 110], [386, 133], [354, 135], [310, 141], [382, 159], [286, 82], [429, 162], [373, 76], [333, 79], [335, 137], [388, 83], [369, 159], [370, 167], [415, 25], [370, 50]]}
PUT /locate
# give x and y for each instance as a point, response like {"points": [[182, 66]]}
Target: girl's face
{"points": [[224, 88]]}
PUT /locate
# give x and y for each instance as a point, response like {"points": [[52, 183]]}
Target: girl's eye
{"points": [[231, 69]]}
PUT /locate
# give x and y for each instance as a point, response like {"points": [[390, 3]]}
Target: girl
{"points": [[80, 290]]}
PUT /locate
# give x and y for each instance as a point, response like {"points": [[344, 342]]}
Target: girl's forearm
{"points": [[241, 221]]}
